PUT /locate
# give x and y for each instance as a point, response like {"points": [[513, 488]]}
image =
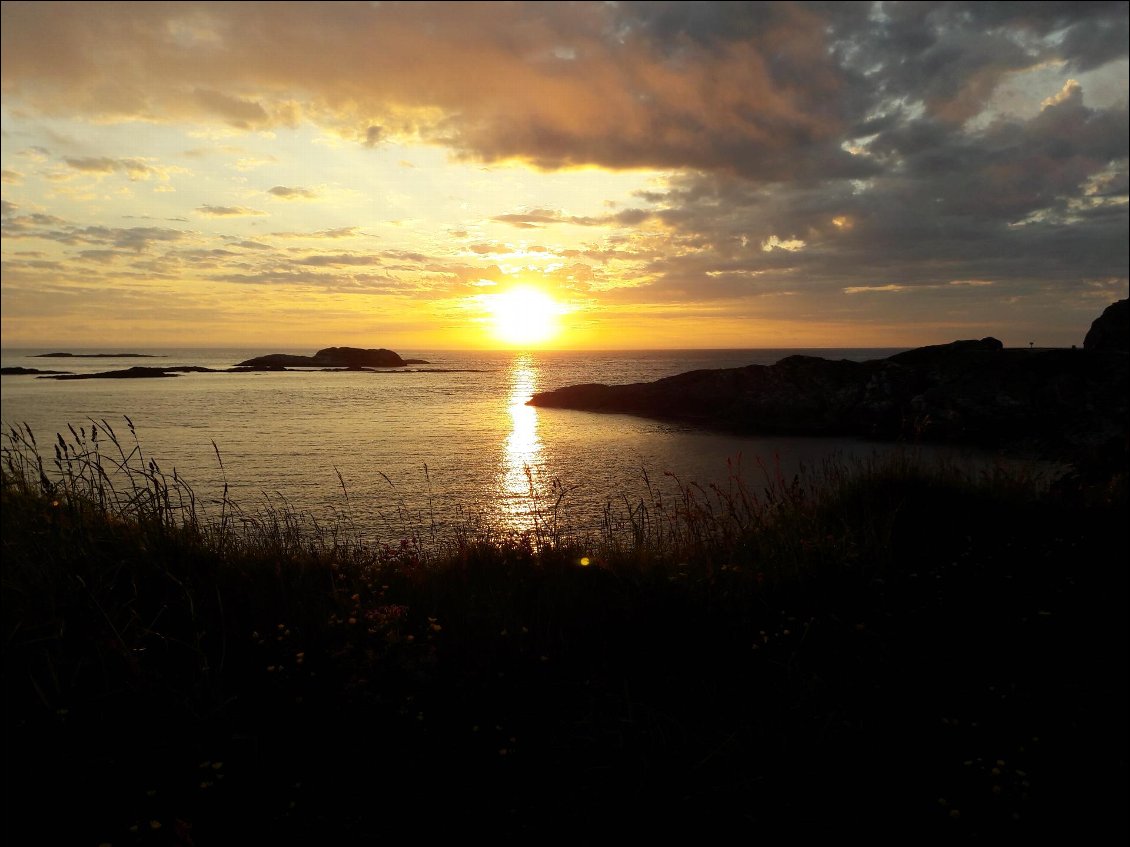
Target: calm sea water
{"points": [[424, 449]]}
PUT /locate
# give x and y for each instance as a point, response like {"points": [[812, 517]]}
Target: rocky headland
{"points": [[1057, 402]]}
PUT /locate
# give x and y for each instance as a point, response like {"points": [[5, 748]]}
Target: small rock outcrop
{"points": [[352, 358], [1111, 329]]}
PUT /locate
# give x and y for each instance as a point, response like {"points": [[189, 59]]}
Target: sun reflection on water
{"points": [[522, 450]]}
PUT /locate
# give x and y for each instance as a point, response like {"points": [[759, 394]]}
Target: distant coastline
{"points": [[97, 356]]}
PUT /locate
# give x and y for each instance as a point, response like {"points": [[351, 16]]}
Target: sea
{"points": [[427, 452]]}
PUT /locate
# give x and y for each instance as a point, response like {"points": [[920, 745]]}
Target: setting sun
{"points": [[523, 315]]}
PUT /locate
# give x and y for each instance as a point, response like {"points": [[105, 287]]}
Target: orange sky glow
{"points": [[301, 175]]}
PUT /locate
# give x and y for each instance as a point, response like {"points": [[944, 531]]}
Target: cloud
{"points": [[227, 211], [531, 219], [537, 218], [402, 70], [53, 228], [889, 288], [135, 169], [285, 193], [11, 177], [240, 113], [766, 91], [337, 232], [339, 260], [791, 245]]}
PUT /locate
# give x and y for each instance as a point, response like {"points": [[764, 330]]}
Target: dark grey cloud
{"points": [[969, 213]]}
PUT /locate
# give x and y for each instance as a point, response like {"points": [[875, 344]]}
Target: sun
{"points": [[523, 315]]}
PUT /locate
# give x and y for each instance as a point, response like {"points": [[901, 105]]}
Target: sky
{"points": [[291, 176]]}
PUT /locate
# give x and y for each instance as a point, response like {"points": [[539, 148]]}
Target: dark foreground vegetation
{"points": [[886, 652]]}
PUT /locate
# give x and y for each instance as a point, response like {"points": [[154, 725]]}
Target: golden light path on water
{"points": [[522, 449]]}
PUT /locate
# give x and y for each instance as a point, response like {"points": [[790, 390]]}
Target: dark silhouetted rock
{"points": [[331, 357], [1111, 329], [972, 392], [136, 372]]}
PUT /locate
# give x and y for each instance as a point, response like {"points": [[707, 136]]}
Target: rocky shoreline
{"points": [[1056, 402]]}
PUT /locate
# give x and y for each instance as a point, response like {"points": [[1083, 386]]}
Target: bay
{"points": [[424, 451]]}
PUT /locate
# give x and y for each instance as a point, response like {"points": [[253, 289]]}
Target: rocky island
{"points": [[136, 372], [330, 358], [1055, 401], [351, 358]]}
